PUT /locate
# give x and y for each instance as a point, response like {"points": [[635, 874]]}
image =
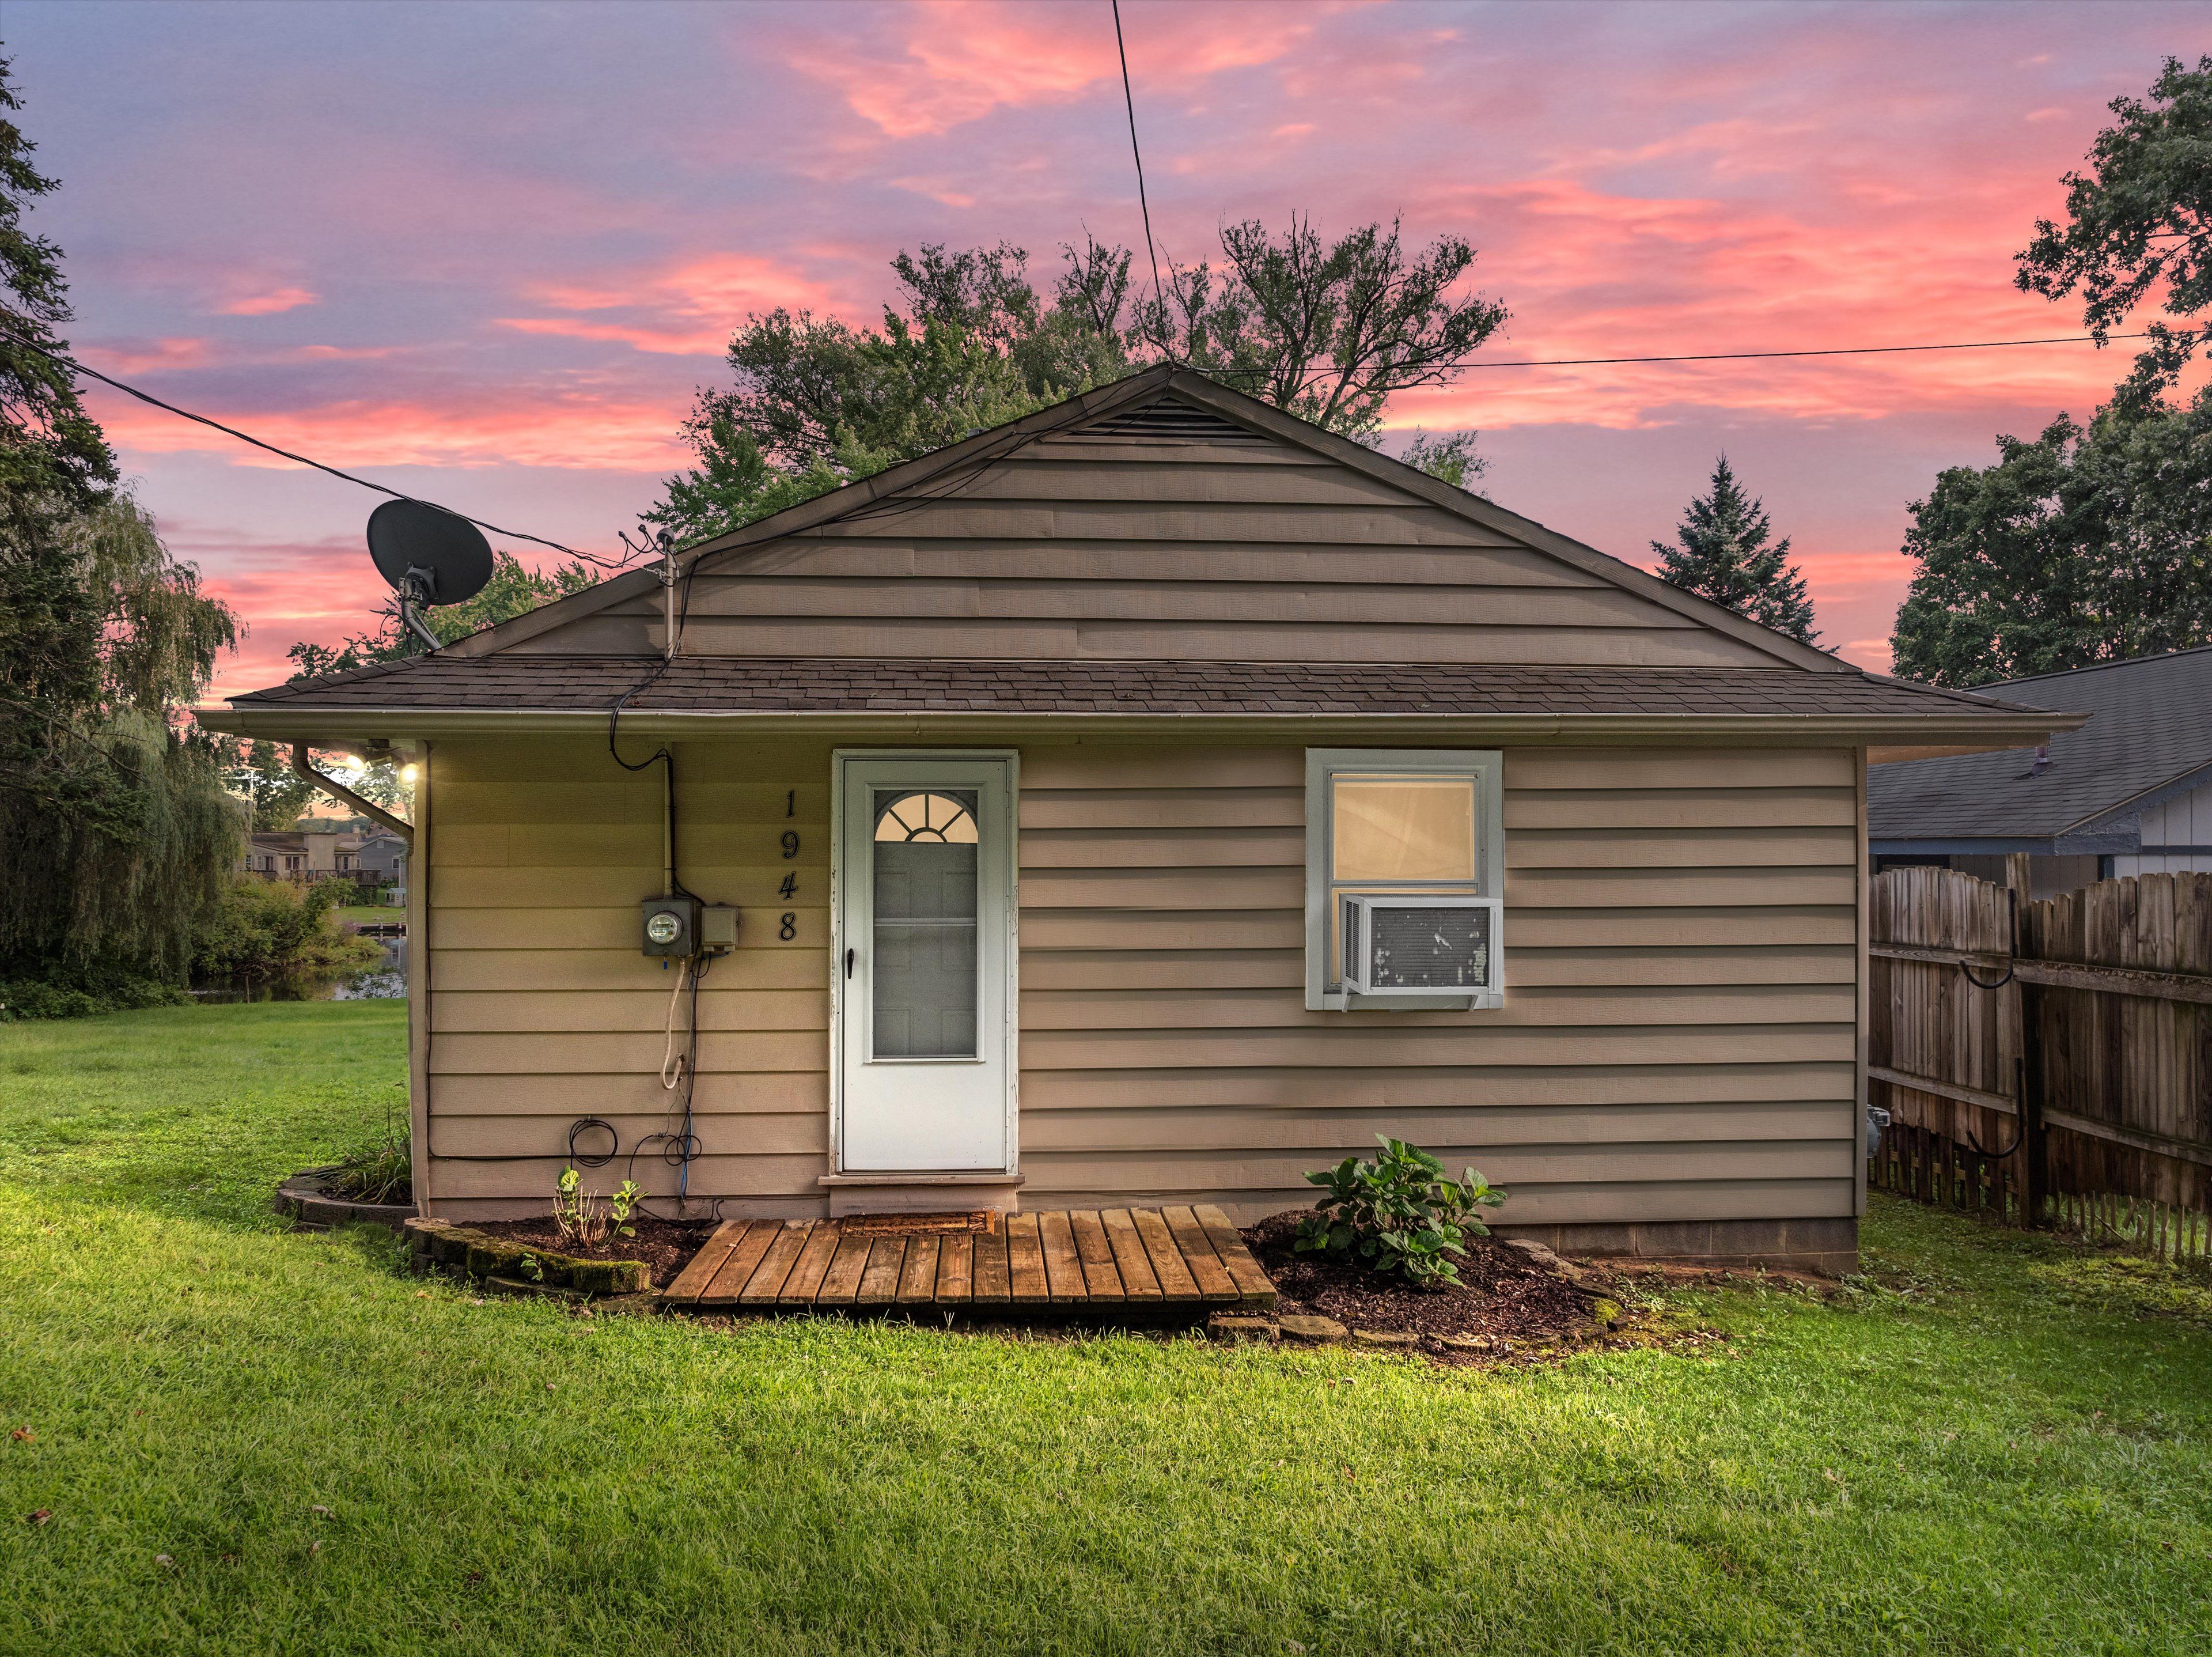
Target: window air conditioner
{"points": [[1398, 948]]}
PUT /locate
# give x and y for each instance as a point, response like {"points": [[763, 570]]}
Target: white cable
{"points": [[672, 1061]]}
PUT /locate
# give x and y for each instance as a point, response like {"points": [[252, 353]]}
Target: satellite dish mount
{"points": [[428, 556]]}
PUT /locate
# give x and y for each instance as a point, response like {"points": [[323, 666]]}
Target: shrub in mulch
{"points": [[664, 1246], [1503, 1297]]}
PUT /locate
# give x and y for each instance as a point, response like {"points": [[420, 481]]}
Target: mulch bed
{"points": [[664, 1246], [1506, 1298]]}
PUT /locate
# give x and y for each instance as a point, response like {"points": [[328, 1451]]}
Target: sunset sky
{"points": [[486, 252]]}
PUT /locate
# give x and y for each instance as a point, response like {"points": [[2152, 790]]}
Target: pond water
{"points": [[385, 981]]}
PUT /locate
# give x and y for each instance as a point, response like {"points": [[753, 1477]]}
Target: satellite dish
{"points": [[430, 556]]}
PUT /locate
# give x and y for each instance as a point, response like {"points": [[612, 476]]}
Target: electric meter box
{"points": [[669, 926]]}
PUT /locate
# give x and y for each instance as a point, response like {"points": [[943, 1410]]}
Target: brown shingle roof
{"points": [[517, 682]]}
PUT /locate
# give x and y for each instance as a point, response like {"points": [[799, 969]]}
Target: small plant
{"points": [[576, 1213], [382, 1172], [1397, 1213], [622, 1205], [531, 1267]]}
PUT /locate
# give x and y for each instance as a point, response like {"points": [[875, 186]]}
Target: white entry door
{"points": [[925, 964]]}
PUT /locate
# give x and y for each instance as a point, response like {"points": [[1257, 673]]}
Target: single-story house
{"points": [[2129, 793], [1146, 801]]}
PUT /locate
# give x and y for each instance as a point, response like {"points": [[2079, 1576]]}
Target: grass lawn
{"points": [[1999, 1445], [372, 914]]}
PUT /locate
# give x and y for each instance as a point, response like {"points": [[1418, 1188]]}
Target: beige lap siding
{"points": [[544, 1010], [1678, 1037], [1161, 551], [1677, 1042]]}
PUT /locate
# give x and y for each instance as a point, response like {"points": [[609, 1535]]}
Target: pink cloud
{"points": [[572, 429], [959, 63], [694, 342], [149, 355], [689, 309], [269, 302]]}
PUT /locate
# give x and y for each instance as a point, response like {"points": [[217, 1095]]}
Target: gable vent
{"points": [[1171, 422]]}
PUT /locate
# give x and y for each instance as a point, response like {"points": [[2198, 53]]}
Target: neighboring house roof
{"points": [[2148, 739], [1345, 510]]}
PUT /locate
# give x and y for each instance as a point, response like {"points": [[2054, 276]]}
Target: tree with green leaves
{"points": [[1329, 330], [2138, 224], [116, 836], [1450, 459], [513, 589], [1723, 551], [2091, 542]]}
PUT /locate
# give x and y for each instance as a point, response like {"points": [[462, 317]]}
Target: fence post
{"points": [[2035, 1172]]}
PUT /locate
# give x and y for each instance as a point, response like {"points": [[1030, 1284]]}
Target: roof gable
{"points": [[1163, 517]]}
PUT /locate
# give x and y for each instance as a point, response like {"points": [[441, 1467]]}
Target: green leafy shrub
{"points": [[266, 929], [78, 994], [1397, 1213]]}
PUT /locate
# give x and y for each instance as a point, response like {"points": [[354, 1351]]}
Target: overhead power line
{"points": [[1129, 101], [1833, 350], [74, 366]]}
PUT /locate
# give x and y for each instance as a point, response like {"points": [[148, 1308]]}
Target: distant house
{"points": [[306, 855], [2129, 793], [382, 856]]}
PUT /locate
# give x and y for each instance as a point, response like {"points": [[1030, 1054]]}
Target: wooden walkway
{"points": [[1065, 1262]]}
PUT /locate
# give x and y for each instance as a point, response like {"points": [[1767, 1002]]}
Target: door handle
{"points": [[848, 962]]}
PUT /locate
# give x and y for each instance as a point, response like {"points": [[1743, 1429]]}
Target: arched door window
{"points": [[944, 818]]}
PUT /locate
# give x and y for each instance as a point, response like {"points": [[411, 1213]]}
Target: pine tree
{"points": [[1723, 555]]}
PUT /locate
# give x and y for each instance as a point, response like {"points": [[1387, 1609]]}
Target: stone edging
{"points": [[303, 1200], [440, 1244]]}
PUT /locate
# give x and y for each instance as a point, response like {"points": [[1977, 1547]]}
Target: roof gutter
{"points": [[325, 725]]}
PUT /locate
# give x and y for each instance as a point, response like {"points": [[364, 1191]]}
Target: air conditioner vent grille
{"points": [[1412, 947]]}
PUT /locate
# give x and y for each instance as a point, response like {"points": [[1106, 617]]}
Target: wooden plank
{"points": [[1137, 1279], [775, 1263], [1212, 1278], [2068, 975], [956, 1269], [1177, 1280], [1981, 1097], [840, 1284], [918, 1277], [879, 1279], [700, 1271], [805, 1280], [1253, 1285], [1098, 1255], [1025, 1261], [737, 1270], [994, 1279], [2114, 1133], [1063, 1267]]}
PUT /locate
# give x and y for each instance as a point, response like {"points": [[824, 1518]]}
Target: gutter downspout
{"points": [[339, 791]]}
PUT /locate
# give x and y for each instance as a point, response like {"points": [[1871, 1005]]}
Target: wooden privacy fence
{"points": [[2048, 1061]]}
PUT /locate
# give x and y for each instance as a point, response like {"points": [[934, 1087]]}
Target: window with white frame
{"points": [[1405, 878]]}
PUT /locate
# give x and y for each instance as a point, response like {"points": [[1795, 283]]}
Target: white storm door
{"points": [[925, 958]]}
